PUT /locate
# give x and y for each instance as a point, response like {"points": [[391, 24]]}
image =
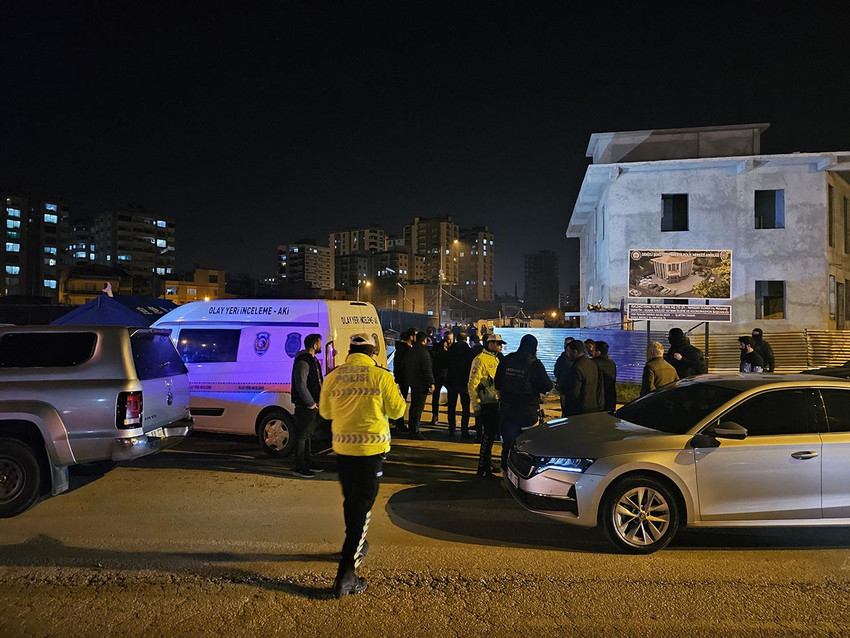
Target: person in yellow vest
{"points": [[359, 398], [484, 400]]}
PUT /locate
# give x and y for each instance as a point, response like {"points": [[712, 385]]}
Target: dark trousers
{"points": [[564, 400], [435, 402], [514, 419], [399, 422], [488, 421], [305, 424], [453, 394], [360, 477], [417, 406]]}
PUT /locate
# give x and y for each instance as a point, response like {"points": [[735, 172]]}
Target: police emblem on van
{"points": [[261, 343], [293, 344]]}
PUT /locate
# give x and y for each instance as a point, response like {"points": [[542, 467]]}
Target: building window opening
{"points": [[770, 300], [674, 215], [770, 209]]}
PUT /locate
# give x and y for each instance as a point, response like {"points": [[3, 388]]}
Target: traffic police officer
{"points": [[359, 398]]}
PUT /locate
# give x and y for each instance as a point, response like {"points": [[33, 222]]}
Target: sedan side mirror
{"points": [[729, 430]]}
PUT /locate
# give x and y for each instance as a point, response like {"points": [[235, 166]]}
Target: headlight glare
{"points": [[564, 464]]}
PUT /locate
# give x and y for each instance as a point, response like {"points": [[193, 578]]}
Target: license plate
{"points": [[512, 477], [156, 434]]}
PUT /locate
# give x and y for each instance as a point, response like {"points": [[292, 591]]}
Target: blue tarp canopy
{"points": [[122, 310]]}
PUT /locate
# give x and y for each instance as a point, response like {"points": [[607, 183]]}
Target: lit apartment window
{"points": [[171, 290], [50, 261], [674, 215], [770, 300], [13, 212], [160, 271], [830, 216], [160, 223], [80, 254], [52, 207], [13, 270], [50, 250], [160, 243], [770, 209], [12, 248], [13, 223], [124, 258], [191, 291], [50, 283], [50, 218]]}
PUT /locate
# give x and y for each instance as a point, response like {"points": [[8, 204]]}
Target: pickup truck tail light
{"points": [[129, 411]]}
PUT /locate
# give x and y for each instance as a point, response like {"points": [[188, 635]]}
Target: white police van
{"points": [[239, 353]]}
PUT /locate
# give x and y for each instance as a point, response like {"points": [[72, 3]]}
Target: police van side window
{"points": [[208, 345]]}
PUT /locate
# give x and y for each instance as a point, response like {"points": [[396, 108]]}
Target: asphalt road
{"points": [[215, 539]]}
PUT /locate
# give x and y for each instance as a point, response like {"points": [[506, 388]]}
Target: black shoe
{"points": [[305, 473], [316, 470], [496, 470], [348, 583], [465, 435], [418, 436]]}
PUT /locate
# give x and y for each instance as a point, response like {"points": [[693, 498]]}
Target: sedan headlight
{"points": [[564, 464]]}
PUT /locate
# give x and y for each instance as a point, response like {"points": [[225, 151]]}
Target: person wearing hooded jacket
{"points": [[520, 380], [688, 360], [763, 348]]}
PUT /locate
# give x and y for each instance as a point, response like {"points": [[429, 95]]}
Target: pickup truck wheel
{"points": [[276, 432], [20, 477]]}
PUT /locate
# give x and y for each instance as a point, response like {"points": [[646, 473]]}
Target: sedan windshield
{"points": [[677, 408]]}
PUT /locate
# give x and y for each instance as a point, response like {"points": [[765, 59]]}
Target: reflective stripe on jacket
{"points": [[482, 388], [358, 397]]}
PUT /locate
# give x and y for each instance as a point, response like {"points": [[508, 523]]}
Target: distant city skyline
{"points": [[254, 128]]}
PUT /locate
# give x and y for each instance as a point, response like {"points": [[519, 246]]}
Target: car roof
{"points": [[749, 381]]}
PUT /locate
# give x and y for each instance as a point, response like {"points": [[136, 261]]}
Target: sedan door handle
{"points": [[804, 455]]}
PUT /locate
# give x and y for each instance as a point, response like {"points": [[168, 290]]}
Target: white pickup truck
{"points": [[83, 394]]}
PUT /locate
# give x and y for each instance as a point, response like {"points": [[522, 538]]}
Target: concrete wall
{"points": [[721, 216]]}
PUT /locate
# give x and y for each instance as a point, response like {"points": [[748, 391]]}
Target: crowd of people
{"points": [[362, 399]]}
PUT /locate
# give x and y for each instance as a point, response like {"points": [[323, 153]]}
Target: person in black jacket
{"points": [[440, 365], [583, 388], [763, 348], [402, 348], [460, 360], [608, 370], [306, 390], [520, 380], [420, 378], [688, 360], [563, 364]]}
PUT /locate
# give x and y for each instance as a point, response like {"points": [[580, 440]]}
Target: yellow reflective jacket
{"points": [[481, 386], [358, 397]]}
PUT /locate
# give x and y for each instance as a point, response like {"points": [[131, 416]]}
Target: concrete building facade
{"points": [[306, 262], [370, 240], [477, 266], [541, 281], [437, 240], [203, 285], [786, 219]]}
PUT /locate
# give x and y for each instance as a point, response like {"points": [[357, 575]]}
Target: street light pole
{"points": [[403, 296]]}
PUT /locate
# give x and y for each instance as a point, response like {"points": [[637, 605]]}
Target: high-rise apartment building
{"points": [[541, 281], [368, 240], [398, 265], [437, 240], [477, 264], [37, 237], [306, 262], [140, 243], [352, 270]]}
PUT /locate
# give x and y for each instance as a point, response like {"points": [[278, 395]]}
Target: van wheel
{"points": [[639, 515], [276, 432], [20, 477]]}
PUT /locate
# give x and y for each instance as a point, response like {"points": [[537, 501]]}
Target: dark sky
{"points": [[255, 124]]}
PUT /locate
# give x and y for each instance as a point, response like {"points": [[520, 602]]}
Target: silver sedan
{"points": [[712, 451]]}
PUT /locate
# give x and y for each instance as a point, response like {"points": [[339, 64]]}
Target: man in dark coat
{"points": [[583, 386], [440, 365], [520, 380], [608, 369], [459, 357], [420, 378], [402, 348], [688, 360], [563, 364], [657, 372], [763, 348], [306, 391]]}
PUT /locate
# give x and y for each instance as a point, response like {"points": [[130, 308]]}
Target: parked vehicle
{"points": [[714, 451], [83, 394], [239, 353], [838, 372]]}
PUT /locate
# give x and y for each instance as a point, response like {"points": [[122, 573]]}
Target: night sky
{"points": [[257, 124]]}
